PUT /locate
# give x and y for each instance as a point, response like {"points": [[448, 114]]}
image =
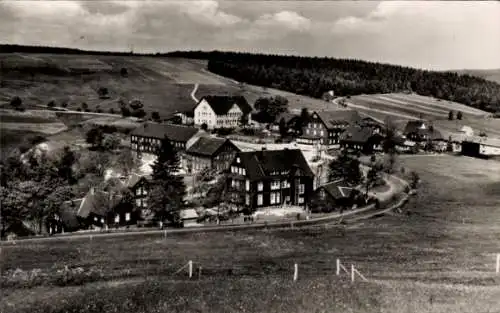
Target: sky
{"points": [[439, 35]]}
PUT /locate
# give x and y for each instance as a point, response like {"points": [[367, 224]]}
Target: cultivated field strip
{"points": [[450, 105]]}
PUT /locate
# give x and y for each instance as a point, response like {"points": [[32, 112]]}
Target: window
{"points": [[138, 202], [301, 200], [127, 216], [301, 188], [275, 184], [259, 199], [285, 184], [314, 132], [278, 197], [117, 218], [322, 194], [102, 220], [260, 186], [144, 191], [237, 160], [234, 169], [233, 183], [321, 132], [273, 197], [307, 131], [247, 185], [247, 199]]}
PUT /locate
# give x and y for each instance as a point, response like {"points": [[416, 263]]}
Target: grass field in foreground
{"points": [[440, 258]]}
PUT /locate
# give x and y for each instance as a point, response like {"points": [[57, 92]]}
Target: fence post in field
{"points": [[165, 233], [498, 264], [352, 273], [190, 268], [199, 273], [296, 272], [338, 267]]}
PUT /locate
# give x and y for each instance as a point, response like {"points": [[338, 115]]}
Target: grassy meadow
{"points": [[438, 258]]}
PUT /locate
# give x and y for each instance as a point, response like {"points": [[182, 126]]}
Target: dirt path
{"points": [[193, 93]]}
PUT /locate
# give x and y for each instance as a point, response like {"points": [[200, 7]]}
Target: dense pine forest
{"points": [[313, 76]]}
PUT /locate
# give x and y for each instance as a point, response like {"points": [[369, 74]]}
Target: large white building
{"points": [[221, 111]]}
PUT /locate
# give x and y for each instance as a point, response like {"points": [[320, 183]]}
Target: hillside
{"points": [[314, 76], [493, 75]]}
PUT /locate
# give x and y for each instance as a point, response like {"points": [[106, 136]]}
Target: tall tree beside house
{"points": [[283, 128], [459, 115], [345, 167], [373, 175], [271, 107], [65, 165], [389, 143], [450, 115], [95, 137], [167, 189]]}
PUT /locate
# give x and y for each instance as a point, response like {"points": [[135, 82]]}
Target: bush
{"points": [[79, 109], [111, 110], [136, 104], [204, 126], [37, 139], [123, 72], [85, 106], [125, 111], [103, 92], [140, 113], [16, 102], [111, 142], [64, 104], [155, 116], [51, 104]]}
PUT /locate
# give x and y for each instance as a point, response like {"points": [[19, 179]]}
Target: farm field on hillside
{"points": [[490, 126], [162, 84], [444, 249]]}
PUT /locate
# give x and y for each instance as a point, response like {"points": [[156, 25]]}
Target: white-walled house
{"points": [[221, 111]]}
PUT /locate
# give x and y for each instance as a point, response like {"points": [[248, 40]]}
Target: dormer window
{"points": [[237, 160]]}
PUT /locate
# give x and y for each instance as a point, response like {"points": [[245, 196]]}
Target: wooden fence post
{"points": [[338, 267], [352, 273], [296, 272], [190, 268]]}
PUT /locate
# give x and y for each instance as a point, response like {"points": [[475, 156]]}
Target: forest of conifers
{"points": [[314, 76]]}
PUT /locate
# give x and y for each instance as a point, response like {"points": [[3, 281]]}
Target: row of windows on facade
{"points": [[117, 218], [145, 140], [275, 185], [275, 198]]}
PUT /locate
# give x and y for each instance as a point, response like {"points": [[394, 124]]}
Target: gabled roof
{"points": [[358, 134], [209, 146], [68, 213], [173, 132], [91, 203], [187, 214], [421, 128], [337, 189], [287, 116], [369, 121], [333, 118], [133, 179], [260, 164], [222, 104]]}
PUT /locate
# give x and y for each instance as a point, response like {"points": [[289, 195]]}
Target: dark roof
{"points": [[358, 134], [337, 189], [173, 132], [68, 214], [287, 116], [91, 203], [333, 118], [260, 164], [222, 104], [208, 146], [369, 121], [134, 179], [421, 128]]}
